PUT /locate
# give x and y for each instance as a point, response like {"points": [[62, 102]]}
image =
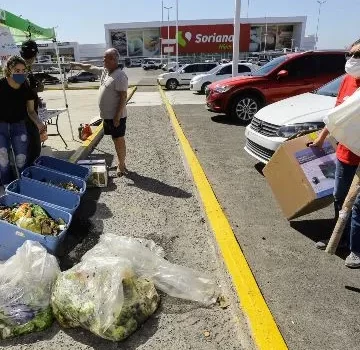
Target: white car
{"points": [[277, 122], [224, 71], [184, 75]]}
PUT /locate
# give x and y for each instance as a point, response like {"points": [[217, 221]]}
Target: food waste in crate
{"points": [[69, 186], [32, 217]]}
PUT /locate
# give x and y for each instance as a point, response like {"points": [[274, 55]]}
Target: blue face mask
{"points": [[19, 77]]}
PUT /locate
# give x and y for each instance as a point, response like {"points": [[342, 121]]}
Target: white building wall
{"points": [[91, 51]]}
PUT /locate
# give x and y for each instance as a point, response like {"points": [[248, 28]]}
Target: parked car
{"points": [[82, 76], [149, 65], [135, 63], [184, 75], [282, 77], [275, 123], [172, 67], [46, 78], [52, 70], [224, 71], [152, 64]]}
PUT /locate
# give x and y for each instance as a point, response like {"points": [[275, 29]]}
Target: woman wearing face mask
{"points": [[346, 163], [17, 102]]}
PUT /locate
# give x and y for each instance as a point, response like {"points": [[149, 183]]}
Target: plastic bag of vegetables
{"points": [[147, 261], [103, 295], [25, 289]]}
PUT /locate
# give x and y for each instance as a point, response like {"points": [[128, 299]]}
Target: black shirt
{"points": [[13, 102]]}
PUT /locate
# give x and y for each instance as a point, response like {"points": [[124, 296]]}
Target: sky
{"points": [[83, 21]]}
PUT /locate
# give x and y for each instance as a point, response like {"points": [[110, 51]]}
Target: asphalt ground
{"points": [[313, 297], [158, 201]]}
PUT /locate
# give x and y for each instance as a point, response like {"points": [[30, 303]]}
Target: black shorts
{"points": [[109, 128]]}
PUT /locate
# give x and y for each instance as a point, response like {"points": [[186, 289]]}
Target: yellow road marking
{"points": [[265, 331]]}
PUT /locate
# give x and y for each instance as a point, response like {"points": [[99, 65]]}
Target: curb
{"points": [[263, 327], [92, 141]]}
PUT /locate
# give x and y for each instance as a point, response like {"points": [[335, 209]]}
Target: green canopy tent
{"points": [[22, 29]]}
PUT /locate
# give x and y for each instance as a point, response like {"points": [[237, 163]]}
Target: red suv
{"points": [[284, 76]]}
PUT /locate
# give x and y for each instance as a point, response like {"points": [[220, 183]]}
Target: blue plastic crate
{"points": [[41, 193], [13, 237], [63, 166], [45, 175]]}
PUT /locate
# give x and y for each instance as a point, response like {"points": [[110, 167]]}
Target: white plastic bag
{"points": [[175, 280], [26, 280], [343, 122], [103, 295]]}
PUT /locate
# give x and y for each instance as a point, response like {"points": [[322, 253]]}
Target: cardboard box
{"points": [[301, 177], [98, 172]]}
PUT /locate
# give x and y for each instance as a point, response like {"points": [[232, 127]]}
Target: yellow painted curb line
{"points": [[265, 331], [90, 143]]}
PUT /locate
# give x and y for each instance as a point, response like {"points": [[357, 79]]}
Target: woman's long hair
{"points": [[11, 63]]}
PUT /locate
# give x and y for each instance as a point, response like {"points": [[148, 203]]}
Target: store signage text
{"points": [[200, 38]]}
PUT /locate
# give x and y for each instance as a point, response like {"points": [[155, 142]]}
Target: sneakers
{"points": [[353, 260], [323, 244]]}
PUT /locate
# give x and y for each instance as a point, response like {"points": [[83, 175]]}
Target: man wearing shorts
{"points": [[112, 101]]}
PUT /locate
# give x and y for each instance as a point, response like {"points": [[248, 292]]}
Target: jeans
{"points": [[344, 175], [15, 135]]}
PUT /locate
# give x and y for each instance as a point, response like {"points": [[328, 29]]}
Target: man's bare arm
{"points": [[87, 67], [121, 107]]}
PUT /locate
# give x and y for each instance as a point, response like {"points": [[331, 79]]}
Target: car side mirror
{"points": [[182, 72], [282, 74]]}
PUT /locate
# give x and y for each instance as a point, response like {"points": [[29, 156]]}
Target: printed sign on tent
{"points": [[7, 44]]}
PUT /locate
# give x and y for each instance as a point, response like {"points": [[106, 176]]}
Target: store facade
{"points": [[143, 39]]}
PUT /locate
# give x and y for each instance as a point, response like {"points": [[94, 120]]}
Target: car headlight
{"points": [[222, 88], [292, 129]]}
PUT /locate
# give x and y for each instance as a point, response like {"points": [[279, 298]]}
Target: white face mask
{"points": [[352, 67]]}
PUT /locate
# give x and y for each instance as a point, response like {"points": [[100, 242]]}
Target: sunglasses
{"points": [[355, 54]]}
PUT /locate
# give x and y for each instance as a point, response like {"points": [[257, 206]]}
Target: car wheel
{"points": [[244, 108], [172, 84], [203, 88], [92, 79]]}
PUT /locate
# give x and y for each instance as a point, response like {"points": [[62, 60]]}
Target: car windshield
{"points": [[215, 69], [330, 89], [268, 67]]}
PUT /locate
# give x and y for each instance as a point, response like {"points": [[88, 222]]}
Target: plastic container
{"points": [[46, 175], [41, 193], [63, 167], [12, 237]]}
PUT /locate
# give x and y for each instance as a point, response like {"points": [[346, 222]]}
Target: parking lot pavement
{"points": [[157, 200], [185, 97], [312, 295]]}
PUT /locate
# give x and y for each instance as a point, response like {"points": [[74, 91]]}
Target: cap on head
{"points": [[29, 49]]}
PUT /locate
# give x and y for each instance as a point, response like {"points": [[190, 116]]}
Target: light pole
{"points": [[320, 2], [292, 44], [266, 34], [247, 11], [168, 9], [162, 24], [176, 34], [236, 40]]}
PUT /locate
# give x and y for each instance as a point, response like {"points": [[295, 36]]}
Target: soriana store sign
{"points": [[209, 38]]}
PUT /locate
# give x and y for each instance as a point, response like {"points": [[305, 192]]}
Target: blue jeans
{"points": [[344, 176], [13, 134]]}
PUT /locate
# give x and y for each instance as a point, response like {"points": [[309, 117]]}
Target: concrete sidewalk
{"points": [[83, 107]]}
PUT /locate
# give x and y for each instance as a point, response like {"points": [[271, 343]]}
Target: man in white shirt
{"points": [[112, 101]]}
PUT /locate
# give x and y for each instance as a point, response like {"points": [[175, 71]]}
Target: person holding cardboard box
{"points": [[346, 164]]}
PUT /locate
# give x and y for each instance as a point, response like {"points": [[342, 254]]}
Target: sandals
{"points": [[121, 173]]}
